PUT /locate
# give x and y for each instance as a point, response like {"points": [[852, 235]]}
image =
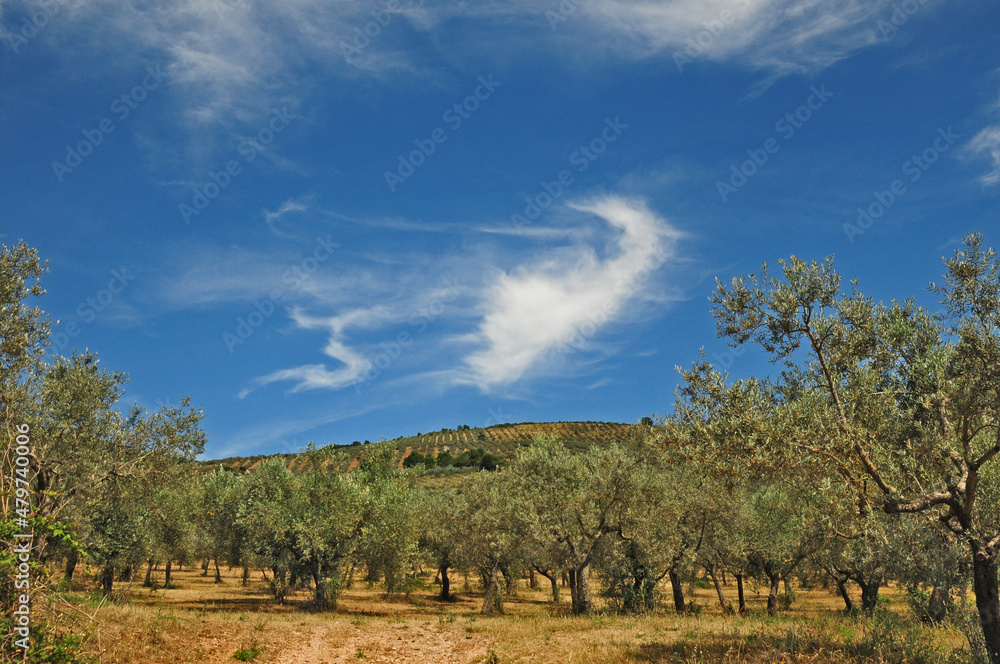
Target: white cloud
{"points": [[227, 61], [353, 364], [317, 376], [987, 144], [567, 297], [291, 205], [231, 61], [776, 35], [523, 313]]}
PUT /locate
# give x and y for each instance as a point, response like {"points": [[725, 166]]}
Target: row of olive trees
{"points": [[649, 512], [652, 512], [316, 526]]}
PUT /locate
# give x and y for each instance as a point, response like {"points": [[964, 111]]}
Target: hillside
{"points": [[501, 440]]}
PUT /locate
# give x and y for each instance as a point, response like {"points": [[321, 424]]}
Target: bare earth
{"points": [[208, 623]]}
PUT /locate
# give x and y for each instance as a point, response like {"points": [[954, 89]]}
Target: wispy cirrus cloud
{"points": [[352, 363], [776, 36], [591, 274], [532, 311], [230, 61], [766, 34], [987, 144]]}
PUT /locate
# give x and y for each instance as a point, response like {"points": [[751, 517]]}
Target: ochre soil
{"points": [[205, 622]]}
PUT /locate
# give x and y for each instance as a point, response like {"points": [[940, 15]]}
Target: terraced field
{"points": [[502, 440]]}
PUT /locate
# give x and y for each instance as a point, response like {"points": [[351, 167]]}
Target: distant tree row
{"points": [[474, 458]]}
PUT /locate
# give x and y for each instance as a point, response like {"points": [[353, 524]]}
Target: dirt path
{"points": [[308, 644], [381, 642]]}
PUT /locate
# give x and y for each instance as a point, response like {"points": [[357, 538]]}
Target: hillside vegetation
{"points": [[501, 440]]}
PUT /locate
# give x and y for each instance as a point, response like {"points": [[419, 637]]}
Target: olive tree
{"points": [[217, 512], [664, 525], [390, 524], [326, 521], [439, 510], [575, 503], [911, 401], [489, 529], [264, 520]]}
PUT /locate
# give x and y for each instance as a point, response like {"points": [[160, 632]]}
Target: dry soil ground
{"points": [[201, 621]]}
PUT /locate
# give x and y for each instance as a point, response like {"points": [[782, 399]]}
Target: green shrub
{"points": [[246, 654], [894, 639], [47, 647]]}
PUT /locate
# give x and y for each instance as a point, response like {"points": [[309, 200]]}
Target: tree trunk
{"points": [[320, 597], [939, 604], [579, 588], [246, 575], [553, 578], [726, 608], [675, 585], [204, 567], [278, 584], [492, 600], [583, 586], [984, 583], [739, 592], [772, 594], [445, 583], [218, 574], [149, 574], [71, 561], [788, 589], [869, 594], [842, 590], [166, 579], [532, 581], [510, 583], [107, 579]]}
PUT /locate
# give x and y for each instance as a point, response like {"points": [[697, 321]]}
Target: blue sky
{"points": [[339, 221]]}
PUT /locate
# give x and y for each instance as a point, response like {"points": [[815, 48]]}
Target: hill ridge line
{"points": [[502, 440]]}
